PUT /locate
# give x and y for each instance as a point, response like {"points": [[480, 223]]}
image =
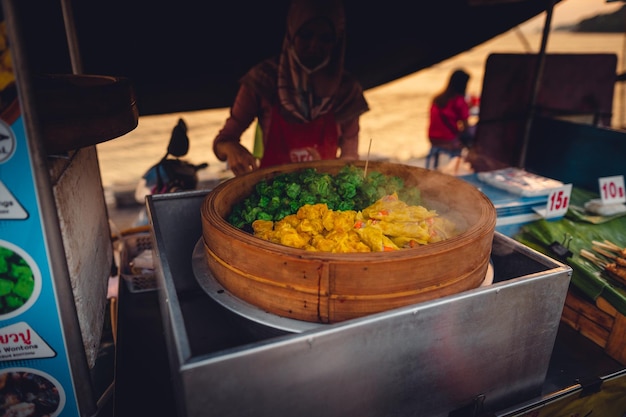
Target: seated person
{"points": [[449, 114]]}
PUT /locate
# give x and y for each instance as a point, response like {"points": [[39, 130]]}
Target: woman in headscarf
{"points": [[308, 107]]}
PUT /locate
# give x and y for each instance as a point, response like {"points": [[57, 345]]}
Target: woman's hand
{"points": [[238, 158], [314, 154]]}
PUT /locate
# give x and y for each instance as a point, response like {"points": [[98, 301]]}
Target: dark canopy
{"points": [[188, 55]]}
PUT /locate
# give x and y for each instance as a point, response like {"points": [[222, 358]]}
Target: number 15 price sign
{"points": [[558, 202], [612, 189]]}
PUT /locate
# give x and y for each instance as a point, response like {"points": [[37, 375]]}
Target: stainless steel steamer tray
{"points": [[218, 293], [490, 345]]}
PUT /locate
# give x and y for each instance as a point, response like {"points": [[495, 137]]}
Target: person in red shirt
{"points": [[449, 114], [307, 105]]}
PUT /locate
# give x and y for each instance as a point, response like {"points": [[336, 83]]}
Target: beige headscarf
{"points": [[328, 89], [304, 94]]}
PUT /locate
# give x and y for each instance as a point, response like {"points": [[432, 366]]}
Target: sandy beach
{"points": [[396, 123]]}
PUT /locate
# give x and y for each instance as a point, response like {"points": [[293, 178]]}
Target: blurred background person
{"points": [[449, 130]]}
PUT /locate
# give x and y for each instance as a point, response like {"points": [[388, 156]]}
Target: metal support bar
{"points": [[72, 39], [537, 82]]}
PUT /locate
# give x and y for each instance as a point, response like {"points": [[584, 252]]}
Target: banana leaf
{"points": [[571, 234], [577, 211]]}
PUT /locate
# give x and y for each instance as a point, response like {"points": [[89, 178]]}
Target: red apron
{"points": [[290, 142]]}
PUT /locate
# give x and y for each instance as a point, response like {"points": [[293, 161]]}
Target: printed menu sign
{"points": [[33, 352], [32, 344], [10, 208], [19, 341]]}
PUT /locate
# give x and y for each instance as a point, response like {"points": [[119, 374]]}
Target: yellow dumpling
{"points": [[373, 237], [339, 220], [418, 230], [311, 226], [320, 243], [291, 237], [391, 209], [290, 220], [312, 211], [442, 229], [262, 226]]}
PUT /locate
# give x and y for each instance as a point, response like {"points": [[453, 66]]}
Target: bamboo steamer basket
{"points": [[328, 288]]}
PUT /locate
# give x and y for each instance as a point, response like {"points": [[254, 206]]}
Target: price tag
{"points": [[558, 202], [612, 190]]}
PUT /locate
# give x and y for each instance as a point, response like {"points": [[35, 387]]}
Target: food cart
{"points": [[181, 350]]}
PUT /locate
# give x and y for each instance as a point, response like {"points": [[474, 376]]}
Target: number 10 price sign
{"points": [[612, 189]]}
